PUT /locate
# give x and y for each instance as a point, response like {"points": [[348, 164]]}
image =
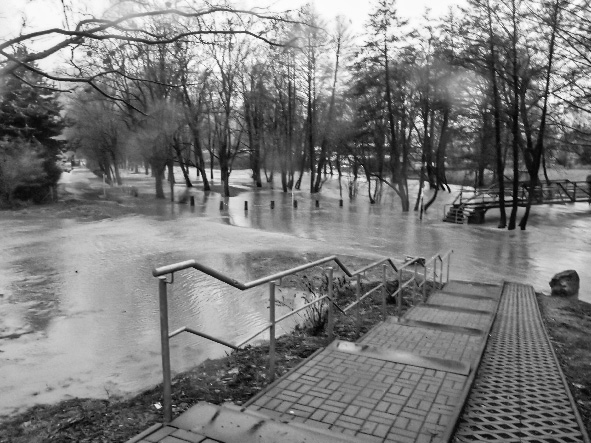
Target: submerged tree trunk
{"points": [[539, 148], [158, 169], [500, 164], [515, 121]]}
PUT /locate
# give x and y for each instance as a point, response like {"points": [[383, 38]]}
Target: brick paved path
{"points": [[380, 396], [406, 380]]}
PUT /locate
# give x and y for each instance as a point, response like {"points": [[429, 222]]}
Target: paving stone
{"points": [[171, 439], [187, 436], [160, 434]]}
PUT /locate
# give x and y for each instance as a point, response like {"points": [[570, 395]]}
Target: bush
{"points": [[27, 171]]}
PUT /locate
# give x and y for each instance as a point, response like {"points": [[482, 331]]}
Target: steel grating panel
{"points": [[519, 393]]}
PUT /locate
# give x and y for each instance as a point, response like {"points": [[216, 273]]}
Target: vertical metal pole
{"points": [[166, 383], [330, 320], [272, 331], [575, 192], [440, 273], [357, 306], [385, 292], [434, 272], [425, 283], [448, 263], [415, 286], [399, 298]]}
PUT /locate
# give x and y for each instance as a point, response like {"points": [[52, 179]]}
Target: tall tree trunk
{"points": [[182, 164], [158, 169], [199, 160], [329, 120], [539, 149], [171, 180], [515, 121], [500, 164]]}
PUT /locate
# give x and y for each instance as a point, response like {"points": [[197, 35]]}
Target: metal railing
{"points": [[417, 262]]}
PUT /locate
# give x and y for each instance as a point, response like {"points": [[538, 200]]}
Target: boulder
{"points": [[565, 283]]}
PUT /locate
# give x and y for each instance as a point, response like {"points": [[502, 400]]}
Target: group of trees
{"points": [[496, 86], [29, 119]]}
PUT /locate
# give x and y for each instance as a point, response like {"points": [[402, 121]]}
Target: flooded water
{"points": [[79, 303]]}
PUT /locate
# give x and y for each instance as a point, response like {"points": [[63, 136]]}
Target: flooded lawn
{"points": [[79, 305]]}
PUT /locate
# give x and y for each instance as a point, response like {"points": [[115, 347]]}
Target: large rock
{"points": [[565, 283]]}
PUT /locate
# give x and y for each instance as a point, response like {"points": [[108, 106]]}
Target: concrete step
{"points": [[231, 423]]}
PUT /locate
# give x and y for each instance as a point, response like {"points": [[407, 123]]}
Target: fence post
{"points": [[166, 382], [357, 306], [399, 298], [575, 192], [385, 291], [272, 331], [330, 320]]}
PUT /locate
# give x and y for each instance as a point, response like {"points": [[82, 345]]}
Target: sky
{"points": [[45, 14]]}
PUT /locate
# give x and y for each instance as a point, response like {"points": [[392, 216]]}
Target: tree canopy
{"points": [[496, 89]]}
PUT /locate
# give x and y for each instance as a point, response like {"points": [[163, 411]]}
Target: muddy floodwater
{"points": [[79, 305]]}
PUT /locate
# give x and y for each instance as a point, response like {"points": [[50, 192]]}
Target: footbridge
{"points": [[471, 205], [469, 362]]}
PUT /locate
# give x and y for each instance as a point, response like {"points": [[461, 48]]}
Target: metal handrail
{"points": [[169, 269], [163, 271]]}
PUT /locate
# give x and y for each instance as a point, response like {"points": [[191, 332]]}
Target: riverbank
{"points": [[234, 378], [568, 323], [115, 418]]}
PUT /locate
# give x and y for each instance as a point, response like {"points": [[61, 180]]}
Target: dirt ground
{"points": [[568, 323], [242, 374]]}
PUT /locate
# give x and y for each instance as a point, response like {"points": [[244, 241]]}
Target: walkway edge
{"points": [[447, 436]]}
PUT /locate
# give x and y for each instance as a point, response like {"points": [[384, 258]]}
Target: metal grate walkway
{"points": [[519, 394]]}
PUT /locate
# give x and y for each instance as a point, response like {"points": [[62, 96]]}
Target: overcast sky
{"points": [[45, 14], [42, 14]]}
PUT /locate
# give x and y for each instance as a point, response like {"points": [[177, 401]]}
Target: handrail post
{"points": [[434, 273], [166, 383], [399, 298], [385, 292], [425, 283], [272, 331], [448, 265], [357, 306], [330, 320], [440, 272], [415, 286]]}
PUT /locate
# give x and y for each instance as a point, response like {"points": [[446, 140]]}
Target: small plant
{"points": [[315, 316]]}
